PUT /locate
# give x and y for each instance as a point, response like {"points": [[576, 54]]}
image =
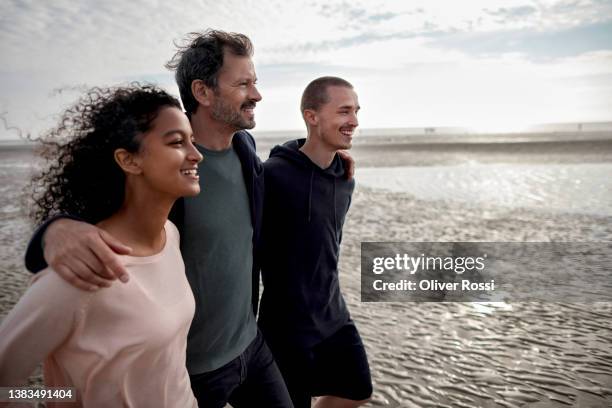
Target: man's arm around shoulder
{"points": [[79, 252]]}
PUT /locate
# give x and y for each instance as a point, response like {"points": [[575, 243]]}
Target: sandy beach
{"points": [[535, 354], [471, 355]]}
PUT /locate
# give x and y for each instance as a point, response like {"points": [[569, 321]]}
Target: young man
{"points": [[303, 315], [227, 358]]}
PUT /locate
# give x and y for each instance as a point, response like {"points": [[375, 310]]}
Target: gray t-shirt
{"points": [[218, 251]]}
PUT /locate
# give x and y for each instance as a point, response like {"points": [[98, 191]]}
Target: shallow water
{"points": [[577, 188]]}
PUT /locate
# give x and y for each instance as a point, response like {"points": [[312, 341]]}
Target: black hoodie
{"points": [[304, 211]]}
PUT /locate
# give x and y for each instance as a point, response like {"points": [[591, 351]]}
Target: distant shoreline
{"points": [[590, 146], [7, 145], [391, 151], [535, 152]]}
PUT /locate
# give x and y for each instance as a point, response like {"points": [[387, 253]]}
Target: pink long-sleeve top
{"points": [[123, 346]]}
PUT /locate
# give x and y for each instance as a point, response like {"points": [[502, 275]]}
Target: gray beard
{"points": [[226, 114]]}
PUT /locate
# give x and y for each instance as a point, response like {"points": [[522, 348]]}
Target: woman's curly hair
{"points": [[81, 177]]}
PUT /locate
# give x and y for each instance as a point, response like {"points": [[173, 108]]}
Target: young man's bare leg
{"points": [[328, 401]]}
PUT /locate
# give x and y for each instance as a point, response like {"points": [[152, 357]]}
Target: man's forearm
{"points": [[34, 257]]}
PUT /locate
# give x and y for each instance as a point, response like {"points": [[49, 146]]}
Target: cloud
{"points": [[496, 23], [536, 45], [514, 13], [345, 42], [356, 15]]}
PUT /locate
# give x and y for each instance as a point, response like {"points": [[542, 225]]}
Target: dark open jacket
{"points": [[253, 172]]}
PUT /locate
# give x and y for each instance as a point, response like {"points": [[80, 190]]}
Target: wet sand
{"points": [[533, 354]]}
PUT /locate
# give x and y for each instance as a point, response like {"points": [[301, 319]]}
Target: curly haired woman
{"points": [[119, 159]]}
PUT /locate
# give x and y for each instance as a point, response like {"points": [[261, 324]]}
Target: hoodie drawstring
{"points": [[310, 193], [335, 220]]}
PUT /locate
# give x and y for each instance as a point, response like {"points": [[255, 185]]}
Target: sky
{"points": [[482, 64]]}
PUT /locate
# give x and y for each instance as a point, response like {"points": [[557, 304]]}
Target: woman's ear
{"points": [[128, 162], [201, 92]]}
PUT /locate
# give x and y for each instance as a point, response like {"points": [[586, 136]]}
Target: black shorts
{"points": [[338, 366]]}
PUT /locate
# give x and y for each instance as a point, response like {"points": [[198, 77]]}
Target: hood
{"points": [[291, 151]]}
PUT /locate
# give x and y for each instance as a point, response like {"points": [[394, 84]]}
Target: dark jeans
{"points": [[250, 380]]}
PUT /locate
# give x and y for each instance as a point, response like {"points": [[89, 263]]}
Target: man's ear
{"points": [[128, 162], [310, 116], [201, 92]]}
